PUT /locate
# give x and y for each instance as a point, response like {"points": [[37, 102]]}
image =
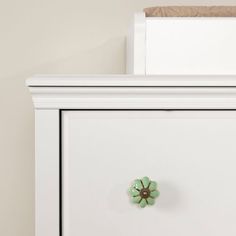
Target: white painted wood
{"points": [[182, 45], [47, 172], [134, 97], [133, 92], [131, 80], [136, 47], [133, 131], [190, 153], [193, 45]]}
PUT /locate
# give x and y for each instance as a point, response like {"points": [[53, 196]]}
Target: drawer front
{"points": [[191, 154]]}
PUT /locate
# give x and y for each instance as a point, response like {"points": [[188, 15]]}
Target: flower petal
{"points": [[136, 199], [150, 201], [153, 186], [143, 203], [138, 184], [145, 181], [155, 194], [133, 192]]}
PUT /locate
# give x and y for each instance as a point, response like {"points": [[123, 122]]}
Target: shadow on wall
{"points": [[108, 58], [17, 123]]}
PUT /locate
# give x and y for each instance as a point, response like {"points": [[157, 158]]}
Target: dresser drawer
{"points": [[190, 154]]}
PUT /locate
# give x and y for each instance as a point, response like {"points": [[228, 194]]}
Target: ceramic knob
{"points": [[143, 192]]}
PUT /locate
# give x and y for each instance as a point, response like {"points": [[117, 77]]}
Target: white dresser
{"points": [[96, 134]]}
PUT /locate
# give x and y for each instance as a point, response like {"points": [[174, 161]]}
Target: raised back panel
{"points": [[186, 45], [190, 46]]}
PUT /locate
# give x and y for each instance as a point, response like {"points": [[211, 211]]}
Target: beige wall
{"points": [[50, 36]]}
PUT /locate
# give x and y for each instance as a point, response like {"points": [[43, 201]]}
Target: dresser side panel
{"points": [[47, 172]]}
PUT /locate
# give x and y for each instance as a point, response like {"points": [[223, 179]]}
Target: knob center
{"points": [[145, 193]]}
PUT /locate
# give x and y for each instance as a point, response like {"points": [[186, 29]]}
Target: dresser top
{"points": [[132, 81]]}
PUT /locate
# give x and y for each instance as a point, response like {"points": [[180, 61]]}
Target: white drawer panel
{"points": [[191, 154]]}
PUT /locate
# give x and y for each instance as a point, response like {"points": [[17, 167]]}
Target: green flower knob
{"points": [[143, 192]]}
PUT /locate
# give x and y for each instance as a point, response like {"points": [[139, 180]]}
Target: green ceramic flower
{"points": [[144, 191]]}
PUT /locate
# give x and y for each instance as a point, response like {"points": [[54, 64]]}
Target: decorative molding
{"points": [[133, 92], [134, 98], [132, 81]]}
